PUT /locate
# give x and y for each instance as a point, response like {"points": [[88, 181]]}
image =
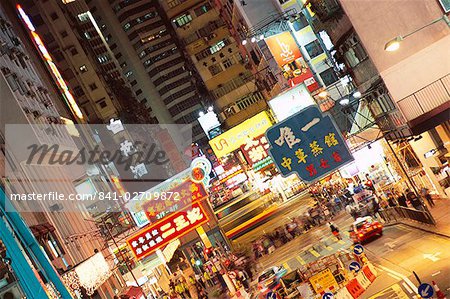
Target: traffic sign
{"points": [[358, 249], [425, 290], [272, 295], [309, 144], [354, 266], [327, 296]]}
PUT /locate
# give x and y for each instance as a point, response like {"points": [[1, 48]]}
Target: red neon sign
{"points": [[184, 194], [174, 226]]}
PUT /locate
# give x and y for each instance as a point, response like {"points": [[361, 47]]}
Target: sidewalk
{"points": [[440, 212]]}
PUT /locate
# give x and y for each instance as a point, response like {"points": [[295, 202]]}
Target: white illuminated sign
{"points": [[291, 102]]}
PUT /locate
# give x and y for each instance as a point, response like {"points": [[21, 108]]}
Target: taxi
{"points": [[364, 229]]}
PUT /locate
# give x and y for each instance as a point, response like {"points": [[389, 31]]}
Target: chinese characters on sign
{"points": [[289, 58], [256, 150], [184, 194], [309, 144], [174, 226]]}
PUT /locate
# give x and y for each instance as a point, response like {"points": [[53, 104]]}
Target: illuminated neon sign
{"points": [[59, 80], [172, 227]]}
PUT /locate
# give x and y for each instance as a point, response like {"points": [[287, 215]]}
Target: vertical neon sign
{"points": [[43, 50]]}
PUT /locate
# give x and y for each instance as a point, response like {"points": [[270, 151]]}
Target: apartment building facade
{"points": [[152, 60], [416, 74], [29, 111], [409, 106], [207, 40]]}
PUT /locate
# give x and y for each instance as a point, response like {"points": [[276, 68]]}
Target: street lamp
{"points": [[394, 44]]}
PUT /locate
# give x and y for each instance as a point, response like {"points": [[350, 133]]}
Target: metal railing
{"points": [[394, 214], [426, 99]]}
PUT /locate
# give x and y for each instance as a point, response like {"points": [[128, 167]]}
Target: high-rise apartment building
{"points": [[221, 63], [28, 110], [152, 60], [68, 50]]}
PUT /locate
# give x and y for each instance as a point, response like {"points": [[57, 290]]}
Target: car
{"points": [[270, 278], [364, 229]]}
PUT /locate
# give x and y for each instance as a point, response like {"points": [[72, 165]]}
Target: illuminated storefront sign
{"points": [[289, 58], [170, 196], [174, 226], [184, 194], [59, 80], [255, 150], [291, 101], [238, 135]]}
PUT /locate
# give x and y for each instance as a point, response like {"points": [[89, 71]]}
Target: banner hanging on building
{"points": [[172, 227], [289, 58]]}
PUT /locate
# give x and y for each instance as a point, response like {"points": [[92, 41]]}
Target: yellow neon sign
{"points": [[235, 137]]}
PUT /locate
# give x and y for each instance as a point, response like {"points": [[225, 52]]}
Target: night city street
{"points": [[224, 149]]}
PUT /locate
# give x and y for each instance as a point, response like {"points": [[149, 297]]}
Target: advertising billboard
{"points": [[291, 102], [208, 122], [238, 135], [289, 58], [170, 228]]}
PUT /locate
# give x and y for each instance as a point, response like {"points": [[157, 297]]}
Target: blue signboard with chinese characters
{"points": [[308, 143]]}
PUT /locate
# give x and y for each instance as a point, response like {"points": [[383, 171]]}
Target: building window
{"points": [[54, 16], [215, 69], [83, 17], [58, 55], [83, 68], [102, 104], [73, 51], [182, 20], [353, 51], [228, 62], [202, 9], [93, 86], [63, 33], [328, 76], [314, 49], [78, 91], [103, 58], [217, 47], [300, 22], [173, 3]]}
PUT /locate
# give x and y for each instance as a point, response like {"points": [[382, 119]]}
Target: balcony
{"points": [[427, 107], [246, 113], [325, 9]]}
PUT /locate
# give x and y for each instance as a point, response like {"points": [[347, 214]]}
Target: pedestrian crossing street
{"points": [[325, 247]]}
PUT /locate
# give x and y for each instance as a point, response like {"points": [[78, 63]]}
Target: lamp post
{"points": [[394, 44]]}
